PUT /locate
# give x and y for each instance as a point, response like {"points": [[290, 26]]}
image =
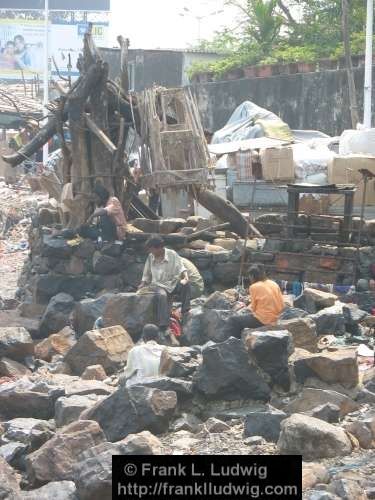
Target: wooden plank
{"points": [[100, 135]]}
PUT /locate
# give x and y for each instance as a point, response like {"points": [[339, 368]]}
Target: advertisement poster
{"points": [[22, 46]]}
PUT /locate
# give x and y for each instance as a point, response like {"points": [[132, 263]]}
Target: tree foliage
{"points": [[271, 31]]}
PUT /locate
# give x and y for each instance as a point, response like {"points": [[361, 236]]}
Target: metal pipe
{"points": [[46, 72], [368, 65]]}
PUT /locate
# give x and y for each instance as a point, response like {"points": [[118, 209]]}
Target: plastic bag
{"points": [[357, 142]]}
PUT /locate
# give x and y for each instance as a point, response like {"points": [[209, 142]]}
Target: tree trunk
{"points": [[225, 211], [349, 65]]}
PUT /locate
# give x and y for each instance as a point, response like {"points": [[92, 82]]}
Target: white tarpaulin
{"points": [[246, 145]]}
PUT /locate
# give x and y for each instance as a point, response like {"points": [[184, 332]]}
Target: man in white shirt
{"points": [[165, 275], [144, 359]]}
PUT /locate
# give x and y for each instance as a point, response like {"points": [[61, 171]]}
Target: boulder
{"points": [[313, 474], [320, 298], [57, 490], [108, 347], [9, 482], [93, 475], [87, 311], [312, 438], [12, 369], [133, 409], [130, 310], [362, 432], [56, 248], [271, 352], [329, 321], [320, 495], [68, 409], [23, 398], [79, 387], [336, 367], [57, 343], [54, 461], [228, 372], [57, 314], [143, 443], [15, 343], [187, 422], [216, 426], [48, 285], [105, 264], [310, 398], [347, 489], [303, 331], [183, 388], [13, 452], [179, 362], [202, 325], [29, 431], [328, 412], [94, 372], [264, 423], [218, 300]]}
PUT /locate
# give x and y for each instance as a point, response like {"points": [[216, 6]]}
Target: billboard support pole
{"points": [[46, 72]]}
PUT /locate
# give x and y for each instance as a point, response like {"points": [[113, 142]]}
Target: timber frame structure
{"points": [[104, 118]]}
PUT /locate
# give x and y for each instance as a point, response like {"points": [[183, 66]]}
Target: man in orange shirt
{"points": [[266, 305]]}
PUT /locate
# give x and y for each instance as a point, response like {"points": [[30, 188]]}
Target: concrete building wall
{"points": [[317, 101]]}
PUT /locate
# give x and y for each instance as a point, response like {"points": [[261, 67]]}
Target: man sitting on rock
{"points": [[111, 224], [267, 304], [166, 276], [144, 359]]}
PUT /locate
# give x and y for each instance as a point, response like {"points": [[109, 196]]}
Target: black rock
{"points": [[134, 409], [57, 314], [183, 388], [218, 300], [202, 325], [328, 412], [227, 372], [271, 351], [329, 322], [353, 314], [56, 248], [306, 303], [104, 264], [49, 285], [87, 311], [264, 423]]}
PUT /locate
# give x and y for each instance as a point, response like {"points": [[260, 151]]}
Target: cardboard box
{"points": [[277, 164], [345, 170]]}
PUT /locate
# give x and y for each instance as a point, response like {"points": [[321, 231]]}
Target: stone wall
{"points": [[315, 101], [82, 270]]}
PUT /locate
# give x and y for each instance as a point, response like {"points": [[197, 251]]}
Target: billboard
{"points": [[84, 5], [22, 46]]}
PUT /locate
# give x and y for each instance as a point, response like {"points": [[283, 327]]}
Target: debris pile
{"points": [[288, 389]]}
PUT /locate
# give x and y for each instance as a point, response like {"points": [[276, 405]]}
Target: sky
{"points": [[158, 23]]}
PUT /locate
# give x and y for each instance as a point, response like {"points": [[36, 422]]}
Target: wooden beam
{"points": [[100, 135]]}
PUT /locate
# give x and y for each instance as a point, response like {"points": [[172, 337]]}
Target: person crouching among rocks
{"points": [[166, 276], [267, 304], [111, 223]]}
